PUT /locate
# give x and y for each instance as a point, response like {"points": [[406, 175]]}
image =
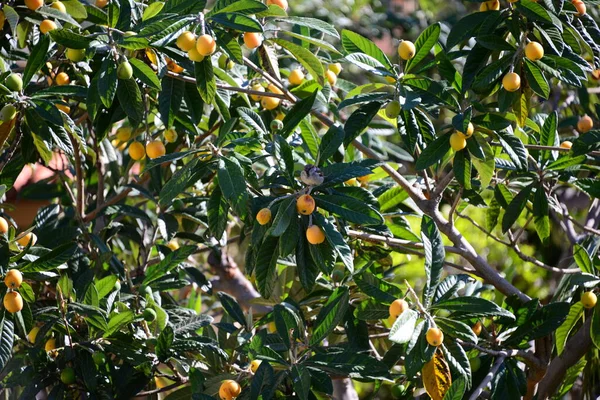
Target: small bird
{"points": [[312, 175]]}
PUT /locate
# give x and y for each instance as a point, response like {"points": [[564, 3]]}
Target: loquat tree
{"points": [[246, 203]]}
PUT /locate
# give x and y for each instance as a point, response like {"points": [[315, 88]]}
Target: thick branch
{"points": [[576, 347]]}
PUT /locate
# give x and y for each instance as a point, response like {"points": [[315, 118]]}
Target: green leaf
{"points": [[58, 256], [536, 79], [533, 10], [164, 344], [152, 10], [514, 148], [285, 213], [297, 113], [106, 285], [588, 185], [330, 143], [130, 99], [266, 266], [12, 17], [107, 81], [144, 73], [543, 322], [233, 184], [241, 6], [515, 208], [119, 320], [349, 209], [549, 136], [180, 180], [304, 57], [355, 365], [434, 152], [456, 329], [312, 23], [169, 99], [563, 331], [205, 80], [359, 121], [425, 42], [237, 21], [457, 390], [70, 39], [541, 213], [301, 381], [435, 253], [586, 143], [36, 59], [55, 14], [336, 240], [231, 306], [7, 334], [355, 43], [473, 307], [404, 327], [170, 262], [252, 119], [217, 213], [462, 168], [582, 258], [376, 288], [331, 315]]}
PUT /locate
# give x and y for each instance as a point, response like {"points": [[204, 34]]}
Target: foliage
{"points": [[183, 162]]}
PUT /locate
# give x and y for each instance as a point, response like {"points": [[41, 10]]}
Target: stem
{"points": [[477, 392]]}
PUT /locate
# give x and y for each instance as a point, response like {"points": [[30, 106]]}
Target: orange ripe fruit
{"points": [[492, 5], [34, 4], [263, 216], [434, 336], [137, 151], [173, 245], [580, 7], [256, 88], [336, 68], [588, 299], [477, 328], [469, 132], [252, 40], [186, 41], [229, 390], [457, 141], [397, 307], [296, 77], [254, 365], [270, 103], [206, 45], [62, 79], [194, 56], [13, 302], [534, 51], [331, 77], [13, 279], [566, 144], [511, 82], [155, 149], [315, 235], [406, 50], [585, 124], [58, 5], [101, 3], [274, 89], [30, 237], [50, 345], [305, 204], [64, 108], [596, 74], [3, 226], [280, 3], [47, 26]]}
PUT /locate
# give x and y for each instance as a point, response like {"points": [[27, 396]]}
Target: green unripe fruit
{"points": [[337, 275], [99, 358], [75, 55], [14, 82], [124, 70], [392, 110], [146, 289], [117, 286], [178, 205], [475, 364], [129, 33], [8, 113], [398, 391], [67, 376], [276, 125], [225, 63], [149, 315]]}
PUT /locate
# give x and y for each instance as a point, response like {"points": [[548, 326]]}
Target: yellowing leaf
{"points": [[2, 19], [5, 129], [436, 376]]}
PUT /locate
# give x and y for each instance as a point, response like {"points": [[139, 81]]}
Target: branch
{"points": [[80, 205], [528, 358], [477, 392], [576, 347]]}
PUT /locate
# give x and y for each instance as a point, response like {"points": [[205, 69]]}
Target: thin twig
{"points": [[528, 358], [477, 392]]}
